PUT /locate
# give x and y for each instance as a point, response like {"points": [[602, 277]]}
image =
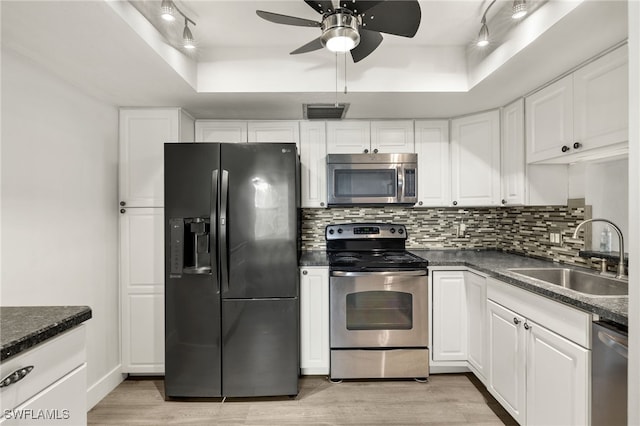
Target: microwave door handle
{"points": [[400, 184]]}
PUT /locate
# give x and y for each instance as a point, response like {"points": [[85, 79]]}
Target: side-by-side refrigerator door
{"points": [[258, 221], [192, 291]]}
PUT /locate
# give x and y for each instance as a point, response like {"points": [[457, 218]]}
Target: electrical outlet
{"points": [[555, 238]]}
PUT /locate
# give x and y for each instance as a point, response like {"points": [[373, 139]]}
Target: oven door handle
{"points": [[385, 273]]}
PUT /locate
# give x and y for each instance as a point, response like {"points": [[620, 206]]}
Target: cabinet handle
{"points": [[122, 203], [16, 376], [366, 151], [526, 326], [375, 151], [123, 211], [504, 202], [577, 145], [455, 203], [322, 204], [516, 321], [304, 272], [420, 203], [565, 148]]}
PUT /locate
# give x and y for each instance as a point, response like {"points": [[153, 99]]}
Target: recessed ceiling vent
{"points": [[324, 111]]}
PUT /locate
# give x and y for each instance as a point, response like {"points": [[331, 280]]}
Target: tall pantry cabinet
{"points": [[143, 133]]}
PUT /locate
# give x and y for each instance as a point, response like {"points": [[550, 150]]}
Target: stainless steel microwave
{"points": [[372, 179]]}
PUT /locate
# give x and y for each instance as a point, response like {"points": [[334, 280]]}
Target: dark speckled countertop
{"points": [[22, 327], [497, 264]]}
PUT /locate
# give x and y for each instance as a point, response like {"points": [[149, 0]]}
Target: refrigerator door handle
{"points": [[213, 219], [222, 232]]}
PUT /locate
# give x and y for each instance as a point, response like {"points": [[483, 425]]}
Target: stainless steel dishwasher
{"points": [[609, 374]]}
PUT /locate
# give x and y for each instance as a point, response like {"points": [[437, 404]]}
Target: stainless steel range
{"points": [[378, 303]]}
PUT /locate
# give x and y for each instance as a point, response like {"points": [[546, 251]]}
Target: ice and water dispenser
{"points": [[190, 249]]}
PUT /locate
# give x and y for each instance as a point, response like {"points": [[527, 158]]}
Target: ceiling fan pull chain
{"points": [[345, 73]]}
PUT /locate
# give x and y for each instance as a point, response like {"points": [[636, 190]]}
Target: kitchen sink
{"points": [[579, 281]]}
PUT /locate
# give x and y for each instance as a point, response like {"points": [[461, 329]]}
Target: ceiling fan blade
{"points": [[359, 6], [287, 20], [369, 41], [309, 47], [400, 18], [320, 6]]}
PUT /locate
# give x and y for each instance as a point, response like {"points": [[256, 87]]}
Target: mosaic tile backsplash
{"points": [[523, 230]]}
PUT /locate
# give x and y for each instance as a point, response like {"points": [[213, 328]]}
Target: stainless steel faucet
{"points": [[621, 271]]}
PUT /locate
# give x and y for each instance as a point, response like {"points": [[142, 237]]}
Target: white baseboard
{"points": [[102, 387]]}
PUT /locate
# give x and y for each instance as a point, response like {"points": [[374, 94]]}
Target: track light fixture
{"points": [[168, 9], [519, 9], [483, 35]]}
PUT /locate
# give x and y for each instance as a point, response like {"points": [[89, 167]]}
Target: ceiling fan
{"points": [[355, 25]]}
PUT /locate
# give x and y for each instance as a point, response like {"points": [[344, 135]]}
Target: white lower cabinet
{"points": [[55, 391], [539, 357], [476, 294], [142, 290], [314, 320]]}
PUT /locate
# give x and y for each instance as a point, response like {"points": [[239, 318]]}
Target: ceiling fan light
{"points": [[519, 9], [187, 37], [340, 32], [167, 10], [483, 36]]}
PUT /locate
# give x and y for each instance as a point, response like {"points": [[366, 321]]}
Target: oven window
{"points": [[379, 310], [365, 183]]}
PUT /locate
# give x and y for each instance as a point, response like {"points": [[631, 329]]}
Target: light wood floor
{"points": [[451, 399]]}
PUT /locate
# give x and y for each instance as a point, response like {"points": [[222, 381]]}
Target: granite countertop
{"points": [[497, 264], [22, 327]]}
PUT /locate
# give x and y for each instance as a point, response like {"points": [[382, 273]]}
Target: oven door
{"points": [[378, 309]]}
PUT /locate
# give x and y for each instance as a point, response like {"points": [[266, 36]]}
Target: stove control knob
{"points": [[400, 231], [339, 230], [331, 231], [392, 230]]}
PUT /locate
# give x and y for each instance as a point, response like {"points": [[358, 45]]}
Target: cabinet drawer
{"points": [[51, 360], [569, 322]]}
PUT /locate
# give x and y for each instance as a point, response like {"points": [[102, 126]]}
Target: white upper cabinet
{"points": [[221, 131], [393, 136], [549, 121], [434, 172], [581, 116], [513, 161], [348, 137], [313, 163], [143, 133], [601, 101], [357, 137], [475, 160], [274, 131]]}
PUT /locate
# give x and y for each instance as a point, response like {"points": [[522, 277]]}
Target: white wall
{"points": [[59, 206]]}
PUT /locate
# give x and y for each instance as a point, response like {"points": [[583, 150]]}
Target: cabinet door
{"points": [[601, 101], [313, 163], [348, 137], [434, 173], [476, 293], [507, 357], [274, 131], [393, 136], [314, 320], [549, 121], [449, 317], [221, 131], [475, 160], [142, 290], [513, 161], [143, 133], [557, 379]]}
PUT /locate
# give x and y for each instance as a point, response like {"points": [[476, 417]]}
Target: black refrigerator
{"points": [[232, 222]]}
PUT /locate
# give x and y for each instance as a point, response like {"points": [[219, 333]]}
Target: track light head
{"points": [[483, 36], [519, 9], [167, 10], [187, 36]]}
